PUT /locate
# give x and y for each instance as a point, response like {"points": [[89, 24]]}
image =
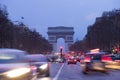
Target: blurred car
{"points": [[71, 60], [51, 58], [93, 62], [113, 61], [41, 63], [14, 65], [59, 60], [56, 59], [78, 58]]}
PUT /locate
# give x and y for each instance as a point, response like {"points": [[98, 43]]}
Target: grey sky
{"points": [[40, 14]]}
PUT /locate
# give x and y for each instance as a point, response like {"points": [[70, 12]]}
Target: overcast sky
{"points": [[41, 14]]}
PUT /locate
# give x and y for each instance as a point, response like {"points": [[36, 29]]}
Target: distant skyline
{"points": [[41, 14]]}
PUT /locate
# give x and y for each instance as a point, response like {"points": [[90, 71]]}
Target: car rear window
{"points": [[95, 56]]}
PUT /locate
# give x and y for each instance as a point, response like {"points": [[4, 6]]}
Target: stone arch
{"points": [[60, 43], [55, 33]]}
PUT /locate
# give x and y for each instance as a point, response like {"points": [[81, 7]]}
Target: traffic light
{"points": [[116, 50]]}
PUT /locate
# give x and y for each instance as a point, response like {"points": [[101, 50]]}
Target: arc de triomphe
{"points": [[55, 33]]}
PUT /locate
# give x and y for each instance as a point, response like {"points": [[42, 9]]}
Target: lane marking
{"points": [[57, 75]]}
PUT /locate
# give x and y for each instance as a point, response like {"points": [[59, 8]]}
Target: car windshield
{"points": [[96, 57]]}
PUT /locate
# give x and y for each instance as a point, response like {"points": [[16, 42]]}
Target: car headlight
{"points": [[17, 72], [44, 66]]}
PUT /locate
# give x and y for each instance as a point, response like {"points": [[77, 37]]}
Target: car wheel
{"points": [[47, 74], [85, 70]]}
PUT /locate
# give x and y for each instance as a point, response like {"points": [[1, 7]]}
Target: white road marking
{"points": [[57, 75]]}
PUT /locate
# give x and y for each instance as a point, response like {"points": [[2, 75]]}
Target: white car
{"points": [[14, 65]]}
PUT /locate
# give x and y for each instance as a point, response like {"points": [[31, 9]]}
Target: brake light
{"points": [[87, 59], [68, 60], [106, 59], [75, 60]]}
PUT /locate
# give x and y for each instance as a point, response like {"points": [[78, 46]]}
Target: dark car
{"points": [[51, 58], [41, 63], [14, 65], [112, 61], [78, 58], [93, 62], [60, 60], [71, 60]]}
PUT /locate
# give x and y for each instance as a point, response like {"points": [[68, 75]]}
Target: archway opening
{"points": [[60, 43]]}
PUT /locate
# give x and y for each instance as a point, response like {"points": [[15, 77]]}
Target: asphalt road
{"points": [[63, 71]]}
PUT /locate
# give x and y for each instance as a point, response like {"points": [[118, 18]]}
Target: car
{"points": [[78, 58], [51, 58], [41, 63], [72, 60], [113, 62], [93, 62], [14, 65], [59, 60]]}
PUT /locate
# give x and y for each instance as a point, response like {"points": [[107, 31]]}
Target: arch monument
{"points": [[54, 33]]}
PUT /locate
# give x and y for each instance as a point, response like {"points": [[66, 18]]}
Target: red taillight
{"points": [[87, 59], [75, 60], [68, 60], [106, 58]]}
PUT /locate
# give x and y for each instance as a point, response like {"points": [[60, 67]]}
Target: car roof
{"points": [[35, 55], [11, 51], [99, 53]]}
